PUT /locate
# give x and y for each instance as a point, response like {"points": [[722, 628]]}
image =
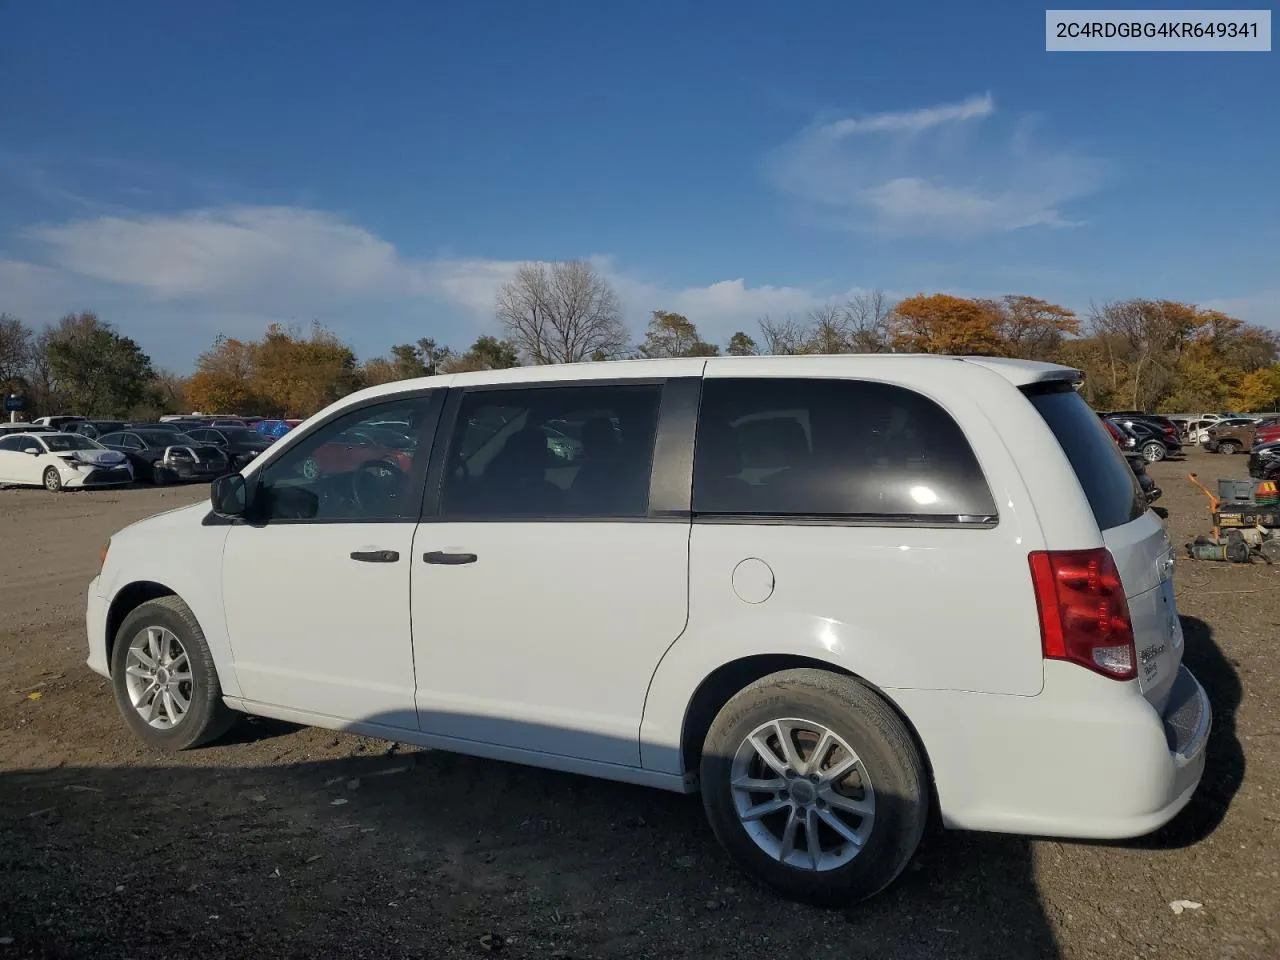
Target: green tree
{"points": [[406, 362], [741, 345], [16, 344], [674, 335], [93, 369], [494, 354]]}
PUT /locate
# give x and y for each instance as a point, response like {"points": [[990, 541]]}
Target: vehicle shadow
{"points": [[422, 853], [256, 730], [1224, 761]]}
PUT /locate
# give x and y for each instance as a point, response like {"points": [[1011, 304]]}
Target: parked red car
{"points": [[356, 446], [1265, 434]]}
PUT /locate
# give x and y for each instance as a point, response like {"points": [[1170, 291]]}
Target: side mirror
{"points": [[34, 451], [229, 496]]}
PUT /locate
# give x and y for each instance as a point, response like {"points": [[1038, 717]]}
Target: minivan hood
{"points": [[178, 517]]}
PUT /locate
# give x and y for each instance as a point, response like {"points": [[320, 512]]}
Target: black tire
{"points": [[1229, 446], [52, 479], [207, 717], [869, 725], [162, 476], [1153, 451]]}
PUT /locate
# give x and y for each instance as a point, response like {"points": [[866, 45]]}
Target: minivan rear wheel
{"points": [[814, 786]]}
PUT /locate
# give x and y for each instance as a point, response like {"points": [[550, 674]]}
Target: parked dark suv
{"points": [[1154, 441]]}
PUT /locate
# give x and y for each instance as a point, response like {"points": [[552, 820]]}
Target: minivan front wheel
{"points": [[814, 786], [1153, 451], [164, 678]]}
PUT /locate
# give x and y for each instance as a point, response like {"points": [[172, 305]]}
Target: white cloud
{"points": [[912, 121], [246, 250], [943, 170], [291, 263]]}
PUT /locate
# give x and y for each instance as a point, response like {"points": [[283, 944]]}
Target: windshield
{"points": [[65, 442]]}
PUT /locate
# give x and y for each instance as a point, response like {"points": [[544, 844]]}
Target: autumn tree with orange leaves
{"points": [[941, 323]]}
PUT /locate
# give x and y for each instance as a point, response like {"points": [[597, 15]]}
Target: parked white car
{"points": [[56, 461], [827, 592]]}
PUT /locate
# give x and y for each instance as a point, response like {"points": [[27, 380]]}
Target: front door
{"points": [[316, 590], [16, 464], [544, 593]]}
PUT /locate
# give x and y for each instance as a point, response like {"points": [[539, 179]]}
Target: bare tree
{"points": [[828, 330], [867, 318], [782, 336], [562, 312]]}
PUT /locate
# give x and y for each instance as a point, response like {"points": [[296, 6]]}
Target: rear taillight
{"points": [[1084, 616]]}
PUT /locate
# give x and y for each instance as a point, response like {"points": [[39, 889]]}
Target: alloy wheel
{"points": [[158, 677], [802, 794]]}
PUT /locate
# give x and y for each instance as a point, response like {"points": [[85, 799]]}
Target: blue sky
{"points": [[187, 169]]}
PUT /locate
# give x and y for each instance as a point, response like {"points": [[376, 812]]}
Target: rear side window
{"points": [[1109, 484], [825, 448]]}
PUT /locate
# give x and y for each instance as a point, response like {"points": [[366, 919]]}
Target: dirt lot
{"points": [[283, 842]]}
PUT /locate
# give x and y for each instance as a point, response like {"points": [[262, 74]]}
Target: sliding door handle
{"points": [[375, 556], [451, 559]]}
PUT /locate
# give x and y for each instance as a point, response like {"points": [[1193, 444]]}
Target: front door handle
{"points": [[375, 556], [451, 559]]}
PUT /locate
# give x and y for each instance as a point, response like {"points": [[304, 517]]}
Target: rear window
{"points": [[1109, 484], [833, 448]]}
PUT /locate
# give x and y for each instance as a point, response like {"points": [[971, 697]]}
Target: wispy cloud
{"points": [[912, 121], [291, 262], [951, 169]]}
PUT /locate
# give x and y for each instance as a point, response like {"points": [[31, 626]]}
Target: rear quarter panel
{"points": [[902, 608]]}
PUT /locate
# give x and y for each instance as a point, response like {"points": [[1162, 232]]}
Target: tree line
{"points": [[1140, 353]]}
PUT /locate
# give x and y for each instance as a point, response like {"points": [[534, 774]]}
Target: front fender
{"points": [[176, 552]]}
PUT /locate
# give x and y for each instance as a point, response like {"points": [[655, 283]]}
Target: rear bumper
{"points": [[95, 617], [1087, 757]]}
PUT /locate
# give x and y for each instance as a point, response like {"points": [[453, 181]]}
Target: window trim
{"points": [[427, 431], [670, 466], [896, 521], [878, 520]]}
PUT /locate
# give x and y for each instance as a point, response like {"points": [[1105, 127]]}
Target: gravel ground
{"points": [[284, 842]]}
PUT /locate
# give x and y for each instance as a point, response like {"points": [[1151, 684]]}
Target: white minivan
{"points": [[832, 594]]}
